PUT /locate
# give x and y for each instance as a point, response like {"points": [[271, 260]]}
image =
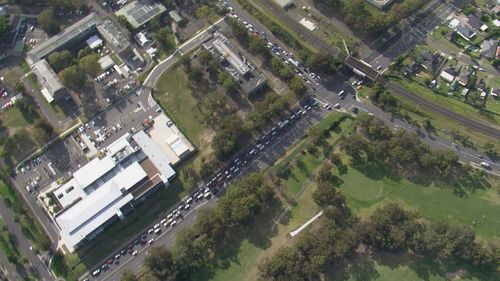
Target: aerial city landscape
{"points": [[342, 140]]}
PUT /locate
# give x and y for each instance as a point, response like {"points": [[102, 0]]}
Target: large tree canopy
{"points": [[48, 22]]}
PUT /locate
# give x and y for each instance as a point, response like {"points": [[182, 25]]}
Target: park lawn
{"points": [[394, 267], [120, 232], [455, 105], [364, 92], [301, 170], [244, 265], [366, 191], [13, 119], [304, 163], [173, 93]]}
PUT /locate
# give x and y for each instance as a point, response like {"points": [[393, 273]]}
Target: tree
{"points": [[228, 82], [186, 62], [161, 262], [195, 75], [286, 72], [283, 170], [203, 12], [73, 77], [257, 45], [48, 22], [128, 275], [490, 149], [165, 38], [238, 30], [42, 131], [204, 57], [60, 60], [4, 29], [90, 64], [297, 86]]}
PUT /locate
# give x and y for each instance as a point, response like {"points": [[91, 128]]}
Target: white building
{"points": [[106, 188]]}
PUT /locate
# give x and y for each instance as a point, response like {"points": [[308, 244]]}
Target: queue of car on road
{"points": [[211, 188], [310, 78]]}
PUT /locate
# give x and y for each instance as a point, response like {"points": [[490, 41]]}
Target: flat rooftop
{"points": [[155, 154], [93, 170], [169, 139], [140, 12], [234, 59], [79, 30], [63, 38], [48, 79]]}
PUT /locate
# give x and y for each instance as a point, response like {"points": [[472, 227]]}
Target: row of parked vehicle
{"points": [[287, 57]]}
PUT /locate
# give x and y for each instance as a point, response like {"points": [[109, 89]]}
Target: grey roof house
{"points": [[429, 61], [466, 32], [489, 48]]}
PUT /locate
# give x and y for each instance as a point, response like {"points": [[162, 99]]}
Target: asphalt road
{"points": [[371, 73]]}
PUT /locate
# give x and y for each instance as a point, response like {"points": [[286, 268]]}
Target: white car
{"points": [[96, 272], [134, 253], [485, 164]]}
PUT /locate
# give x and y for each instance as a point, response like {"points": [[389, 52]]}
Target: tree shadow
{"points": [[258, 233], [374, 170], [358, 268]]}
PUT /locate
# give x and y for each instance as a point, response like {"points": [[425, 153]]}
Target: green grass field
{"points": [[13, 119], [244, 261], [365, 193], [394, 267], [174, 95], [303, 165]]}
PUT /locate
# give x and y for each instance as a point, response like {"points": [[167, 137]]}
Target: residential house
{"points": [[448, 74], [496, 10], [489, 48], [463, 78], [429, 61], [412, 68], [476, 23], [465, 31]]}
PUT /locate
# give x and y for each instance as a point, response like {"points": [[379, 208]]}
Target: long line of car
{"points": [[309, 77], [220, 180]]}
